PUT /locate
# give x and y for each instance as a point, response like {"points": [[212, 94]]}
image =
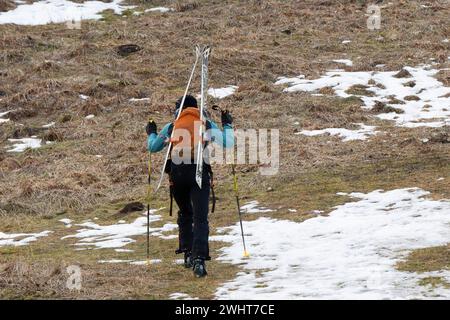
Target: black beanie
{"points": [[190, 101]]}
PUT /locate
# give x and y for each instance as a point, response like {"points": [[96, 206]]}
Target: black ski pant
{"points": [[193, 204]]}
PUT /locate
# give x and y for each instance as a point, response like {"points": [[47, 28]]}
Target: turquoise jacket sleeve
{"points": [[157, 142], [223, 138]]}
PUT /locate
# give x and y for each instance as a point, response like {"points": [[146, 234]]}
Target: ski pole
{"points": [[236, 191], [149, 192]]}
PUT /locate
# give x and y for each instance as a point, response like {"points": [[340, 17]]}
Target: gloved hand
{"points": [[151, 127], [226, 117]]}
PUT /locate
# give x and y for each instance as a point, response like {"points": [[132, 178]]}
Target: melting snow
{"points": [[254, 207], [58, 11], [347, 135], [133, 262], [347, 62], [20, 239], [67, 222], [114, 261], [2, 120], [181, 296], [222, 92], [169, 237], [138, 99], [90, 116], [351, 254], [49, 125], [159, 9], [117, 235], [432, 109], [21, 145]]}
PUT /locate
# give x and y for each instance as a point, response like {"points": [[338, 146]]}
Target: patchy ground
{"points": [[82, 102], [351, 253]]}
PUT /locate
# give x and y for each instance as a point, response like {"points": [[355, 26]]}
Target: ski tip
{"points": [[202, 48]]}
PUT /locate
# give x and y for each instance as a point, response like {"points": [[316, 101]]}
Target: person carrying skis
{"points": [[192, 200]]}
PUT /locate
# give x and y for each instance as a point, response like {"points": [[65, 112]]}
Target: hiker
{"points": [[191, 200]]}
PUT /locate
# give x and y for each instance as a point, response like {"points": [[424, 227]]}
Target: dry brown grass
{"points": [[6, 5], [444, 77], [428, 259], [47, 279], [44, 69]]}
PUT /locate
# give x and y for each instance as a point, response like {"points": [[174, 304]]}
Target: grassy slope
{"points": [[44, 69]]}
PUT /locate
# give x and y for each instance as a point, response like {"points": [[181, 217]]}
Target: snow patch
{"points": [[67, 222], [254, 207], [181, 296], [48, 125], [351, 254], [347, 135], [426, 87], [169, 237], [159, 9], [58, 11], [221, 93], [123, 250], [20, 145], [133, 262], [20, 239], [118, 235], [2, 114], [115, 261], [139, 99], [347, 62]]}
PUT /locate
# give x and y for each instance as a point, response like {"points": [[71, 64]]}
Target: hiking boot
{"points": [[199, 268], [188, 263]]}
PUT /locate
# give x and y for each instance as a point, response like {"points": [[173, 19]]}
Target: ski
{"points": [[198, 54], [206, 50]]}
